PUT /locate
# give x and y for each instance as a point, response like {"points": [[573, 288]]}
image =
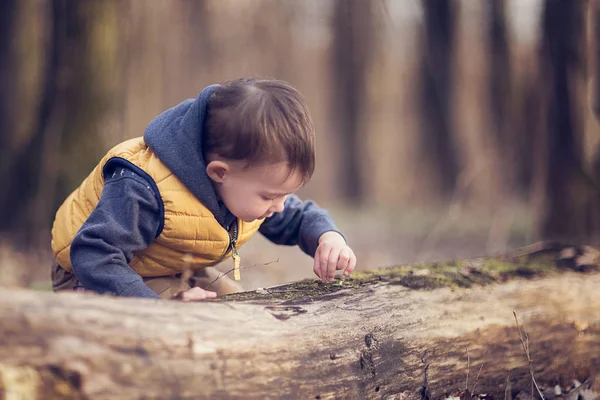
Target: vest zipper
{"points": [[234, 253], [233, 237]]}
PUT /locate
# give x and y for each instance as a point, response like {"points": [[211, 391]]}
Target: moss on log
{"points": [[535, 261]]}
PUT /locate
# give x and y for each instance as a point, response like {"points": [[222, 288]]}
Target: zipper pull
{"points": [[234, 253], [236, 263]]}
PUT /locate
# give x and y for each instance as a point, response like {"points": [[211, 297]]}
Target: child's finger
{"points": [[321, 253], [196, 294], [317, 263], [351, 264], [325, 254], [332, 262], [344, 259]]}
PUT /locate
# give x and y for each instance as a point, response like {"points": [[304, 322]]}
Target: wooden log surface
{"points": [[375, 340]]}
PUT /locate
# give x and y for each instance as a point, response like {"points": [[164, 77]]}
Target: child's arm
{"points": [[125, 220], [305, 224]]}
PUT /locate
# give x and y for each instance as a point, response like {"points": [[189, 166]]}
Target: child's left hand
{"points": [[333, 254]]}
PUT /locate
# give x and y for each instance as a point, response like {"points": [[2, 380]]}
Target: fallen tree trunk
{"points": [[371, 337]]}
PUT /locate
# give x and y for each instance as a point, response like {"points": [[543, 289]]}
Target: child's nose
{"points": [[278, 206]]}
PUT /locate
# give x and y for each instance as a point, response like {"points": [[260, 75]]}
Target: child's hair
{"points": [[261, 120]]}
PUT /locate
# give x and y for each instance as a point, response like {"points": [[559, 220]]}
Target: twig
{"points": [[507, 394], [425, 390], [525, 343], [476, 380], [468, 368], [242, 267]]}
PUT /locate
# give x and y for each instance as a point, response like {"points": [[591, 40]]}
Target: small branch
{"points": [[476, 380], [507, 394], [425, 389], [525, 343], [468, 368], [242, 267]]}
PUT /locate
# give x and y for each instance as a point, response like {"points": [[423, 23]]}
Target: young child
{"points": [[206, 176]]}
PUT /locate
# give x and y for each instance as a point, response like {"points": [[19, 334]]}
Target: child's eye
{"points": [[266, 198]]}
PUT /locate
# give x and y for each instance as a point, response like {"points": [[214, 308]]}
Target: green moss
{"points": [[451, 273], [305, 289]]}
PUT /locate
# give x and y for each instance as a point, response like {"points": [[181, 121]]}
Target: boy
{"points": [[207, 175]]}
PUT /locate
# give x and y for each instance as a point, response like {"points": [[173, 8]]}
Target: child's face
{"points": [[256, 192]]}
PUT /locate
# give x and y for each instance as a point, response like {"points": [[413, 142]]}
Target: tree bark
{"points": [[372, 337]]}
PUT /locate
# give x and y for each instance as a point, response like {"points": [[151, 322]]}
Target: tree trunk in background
{"points": [[45, 146], [8, 10], [500, 83], [563, 190], [595, 9], [26, 210], [435, 94], [20, 166], [198, 41], [528, 122], [92, 54], [8, 68], [594, 205], [352, 51], [72, 99]]}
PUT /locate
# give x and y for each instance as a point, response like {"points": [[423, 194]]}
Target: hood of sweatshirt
{"points": [[175, 136]]}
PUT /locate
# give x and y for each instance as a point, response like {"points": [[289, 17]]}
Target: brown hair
{"points": [[261, 120]]}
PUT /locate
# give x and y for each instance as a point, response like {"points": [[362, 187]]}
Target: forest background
{"points": [[445, 129]]}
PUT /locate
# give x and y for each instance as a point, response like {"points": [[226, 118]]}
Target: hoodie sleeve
{"points": [[126, 219], [300, 223]]}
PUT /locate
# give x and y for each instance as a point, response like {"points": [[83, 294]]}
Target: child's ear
{"points": [[217, 170]]}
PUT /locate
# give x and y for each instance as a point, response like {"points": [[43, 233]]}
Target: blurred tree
{"points": [[594, 205], [201, 45], [62, 144], [595, 98], [435, 94], [353, 24], [500, 83], [8, 16], [21, 151], [562, 184]]}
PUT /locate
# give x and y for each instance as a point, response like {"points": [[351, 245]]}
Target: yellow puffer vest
{"points": [[190, 239]]}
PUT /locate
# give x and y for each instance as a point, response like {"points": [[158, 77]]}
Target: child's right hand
{"points": [[197, 294]]}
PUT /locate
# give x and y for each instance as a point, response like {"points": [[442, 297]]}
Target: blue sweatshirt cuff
{"points": [[310, 239]]}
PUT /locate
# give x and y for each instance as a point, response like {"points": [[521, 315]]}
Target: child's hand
{"points": [[333, 254], [196, 294]]}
